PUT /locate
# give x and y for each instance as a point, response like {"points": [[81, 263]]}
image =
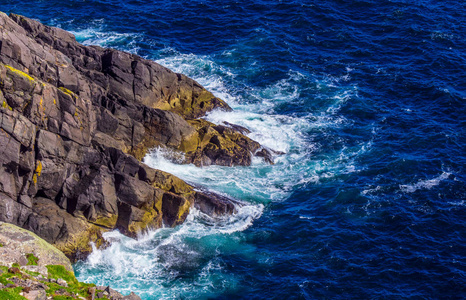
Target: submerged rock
{"points": [[75, 123]]}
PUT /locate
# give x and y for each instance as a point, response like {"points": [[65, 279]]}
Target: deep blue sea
{"points": [[368, 101]]}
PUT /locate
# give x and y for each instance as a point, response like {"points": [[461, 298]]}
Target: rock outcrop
{"points": [[75, 124], [31, 268], [22, 247]]}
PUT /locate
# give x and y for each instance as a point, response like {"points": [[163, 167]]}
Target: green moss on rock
{"points": [[32, 259]]}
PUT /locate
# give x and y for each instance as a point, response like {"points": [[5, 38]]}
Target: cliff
{"points": [[75, 123]]}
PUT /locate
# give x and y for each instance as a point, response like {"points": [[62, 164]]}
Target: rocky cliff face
{"points": [[75, 123]]}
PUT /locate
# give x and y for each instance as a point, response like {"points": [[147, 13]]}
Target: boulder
{"points": [[18, 243], [214, 205]]}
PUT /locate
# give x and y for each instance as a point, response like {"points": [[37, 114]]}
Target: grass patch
{"points": [[32, 260], [4, 277], [57, 271], [11, 294], [74, 286], [33, 274], [63, 298]]}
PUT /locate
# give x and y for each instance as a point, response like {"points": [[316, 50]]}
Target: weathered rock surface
{"points": [[18, 243], [75, 123], [131, 99], [32, 268]]}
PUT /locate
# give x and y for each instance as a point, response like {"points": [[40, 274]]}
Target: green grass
{"points": [[63, 298], [33, 274], [55, 272], [11, 294], [5, 276], [32, 260], [74, 286]]}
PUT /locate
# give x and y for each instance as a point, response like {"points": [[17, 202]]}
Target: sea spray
{"points": [[145, 264]]}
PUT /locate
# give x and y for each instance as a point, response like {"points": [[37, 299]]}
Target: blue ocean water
{"points": [[367, 100]]}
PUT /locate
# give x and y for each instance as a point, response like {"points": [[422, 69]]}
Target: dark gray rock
{"points": [[214, 204], [75, 122]]}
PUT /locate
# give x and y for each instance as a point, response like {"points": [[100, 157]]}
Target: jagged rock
{"points": [[266, 154], [62, 282], [76, 122], [238, 128], [131, 296], [14, 270], [38, 294], [214, 205], [220, 145], [91, 292], [112, 294]]}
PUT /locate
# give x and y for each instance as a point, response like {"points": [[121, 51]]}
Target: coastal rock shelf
{"points": [[76, 122]]}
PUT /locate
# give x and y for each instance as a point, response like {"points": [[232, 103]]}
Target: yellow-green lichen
{"points": [[6, 106], [106, 221], [183, 211], [20, 73], [37, 171], [150, 219], [81, 241], [66, 91], [38, 168]]}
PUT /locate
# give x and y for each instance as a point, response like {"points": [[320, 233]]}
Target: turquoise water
{"points": [[366, 99]]}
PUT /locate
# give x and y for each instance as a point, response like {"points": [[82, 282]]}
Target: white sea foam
{"points": [[458, 203], [424, 184], [97, 35], [283, 133], [146, 263]]}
